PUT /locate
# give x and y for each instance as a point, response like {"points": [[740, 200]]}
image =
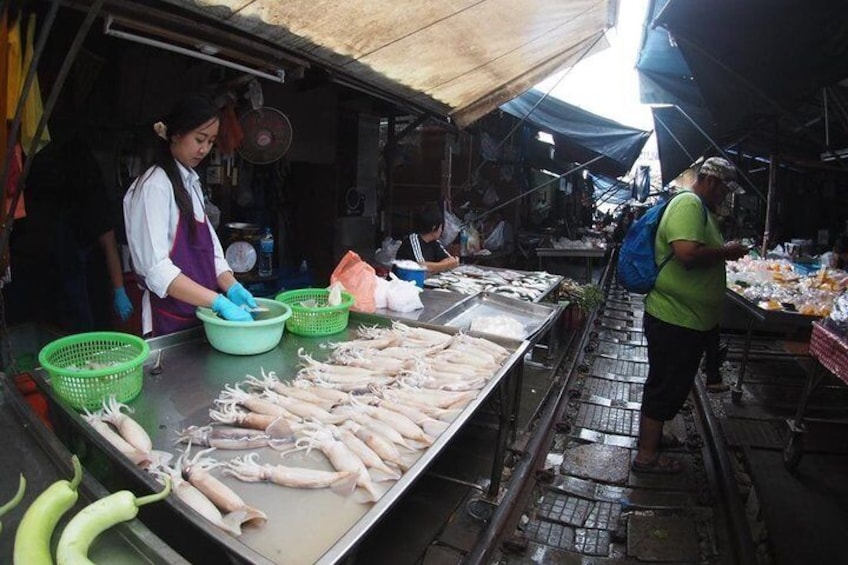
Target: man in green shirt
{"points": [[684, 305]]}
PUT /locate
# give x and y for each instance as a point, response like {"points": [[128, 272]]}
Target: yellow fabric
{"points": [[14, 78], [33, 108]]}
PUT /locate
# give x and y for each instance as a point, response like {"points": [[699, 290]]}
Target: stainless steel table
{"points": [[588, 253], [757, 315], [304, 526]]}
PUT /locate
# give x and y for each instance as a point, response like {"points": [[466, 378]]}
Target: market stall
{"points": [[303, 526], [31, 450], [589, 252], [829, 349], [773, 293]]}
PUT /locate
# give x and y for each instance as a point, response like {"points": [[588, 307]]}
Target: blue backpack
{"points": [[637, 268]]}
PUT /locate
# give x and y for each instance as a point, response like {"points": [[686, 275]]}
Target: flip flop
{"points": [[659, 465]]}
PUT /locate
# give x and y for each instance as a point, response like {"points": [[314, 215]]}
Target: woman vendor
{"points": [[424, 246], [174, 248]]}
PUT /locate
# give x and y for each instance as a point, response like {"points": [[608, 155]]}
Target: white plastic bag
{"points": [[381, 292], [403, 296], [335, 297], [496, 239], [451, 228]]}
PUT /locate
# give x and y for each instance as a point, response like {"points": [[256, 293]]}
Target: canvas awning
{"points": [[457, 58], [762, 74], [580, 135]]}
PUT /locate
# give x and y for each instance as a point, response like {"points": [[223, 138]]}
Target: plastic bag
{"points": [[335, 297], [357, 276], [451, 228], [496, 239], [403, 296], [381, 292], [387, 253]]}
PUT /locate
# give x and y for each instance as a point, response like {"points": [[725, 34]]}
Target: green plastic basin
{"points": [[247, 338]]}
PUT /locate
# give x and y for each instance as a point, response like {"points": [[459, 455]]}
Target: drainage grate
{"points": [[568, 510], [614, 390], [589, 542], [620, 368], [612, 420], [755, 433]]}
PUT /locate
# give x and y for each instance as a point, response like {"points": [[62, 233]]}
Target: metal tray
{"points": [[534, 317], [304, 526], [432, 282], [770, 316], [30, 448]]}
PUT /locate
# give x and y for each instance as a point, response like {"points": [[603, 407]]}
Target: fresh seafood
{"points": [[196, 471], [254, 403], [134, 454], [248, 469], [194, 498], [274, 426], [129, 429], [224, 437], [341, 458]]}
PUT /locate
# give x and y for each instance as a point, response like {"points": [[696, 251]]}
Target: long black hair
{"points": [[187, 115]]}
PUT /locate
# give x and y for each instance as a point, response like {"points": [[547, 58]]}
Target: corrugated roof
{"points": [[461, 58]]}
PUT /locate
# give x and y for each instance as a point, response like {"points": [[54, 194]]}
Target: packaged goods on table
{"points": [[777, 285]]}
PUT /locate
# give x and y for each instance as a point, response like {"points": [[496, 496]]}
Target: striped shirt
{"points": [[416, 249]]}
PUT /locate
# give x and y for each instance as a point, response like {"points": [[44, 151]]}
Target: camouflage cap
{"points": [[723, 170]]}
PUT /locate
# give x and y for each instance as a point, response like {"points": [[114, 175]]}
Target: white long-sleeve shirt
{"points": [[151, 217]]}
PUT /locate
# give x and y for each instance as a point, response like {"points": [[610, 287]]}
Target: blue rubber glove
{"points": [[229, 311], [122, 305], [241, 296]]}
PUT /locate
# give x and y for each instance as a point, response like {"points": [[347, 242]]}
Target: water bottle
{"points": [[463, 242], [266, 253]]}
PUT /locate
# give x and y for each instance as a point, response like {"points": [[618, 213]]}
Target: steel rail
{"points": [[522, 482], [739, 531]]}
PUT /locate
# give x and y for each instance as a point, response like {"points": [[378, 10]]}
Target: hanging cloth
{"points": [[33, 108], [16, 167], [13, 75]]}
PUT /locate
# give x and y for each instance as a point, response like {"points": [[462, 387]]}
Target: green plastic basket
{"points": [[319, 320], [88, 367]]}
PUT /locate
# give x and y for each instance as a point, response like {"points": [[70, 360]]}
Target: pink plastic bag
{"points": [[357, 276]]}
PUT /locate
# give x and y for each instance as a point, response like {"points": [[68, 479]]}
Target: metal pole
{"points": [[770, 203], [720, 150], [388, 161], [535, 188]]}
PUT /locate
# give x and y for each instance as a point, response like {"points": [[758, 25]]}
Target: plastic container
{"points": [[266, 254], [318, 320], [86, 368], [415, 275], [247, 338]]}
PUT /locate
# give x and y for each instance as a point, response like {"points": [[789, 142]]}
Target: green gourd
{"points": [[95, 519], [32, 540], [15, 499]]}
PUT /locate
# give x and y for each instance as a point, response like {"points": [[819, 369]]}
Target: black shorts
{"points": [[674, 353]]}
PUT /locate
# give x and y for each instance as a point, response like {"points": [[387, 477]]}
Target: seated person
{"points": [[424, 246]]}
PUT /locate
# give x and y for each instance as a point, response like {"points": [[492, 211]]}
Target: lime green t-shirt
{"points": [[693, 297]]}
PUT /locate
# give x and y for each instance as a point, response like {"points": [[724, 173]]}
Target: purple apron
{"points": [[196, 260]]}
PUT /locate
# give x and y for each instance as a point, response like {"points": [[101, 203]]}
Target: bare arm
{"points": [[445, 264], [695, 254], [184, 289]]}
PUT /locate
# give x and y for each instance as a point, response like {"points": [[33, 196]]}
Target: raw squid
{"points": [[248, 469]]}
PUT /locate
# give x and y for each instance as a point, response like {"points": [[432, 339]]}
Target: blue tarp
{"points": [[580, 135], [736, 68]]}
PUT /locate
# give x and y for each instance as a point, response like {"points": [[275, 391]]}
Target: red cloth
{"points": [[16, 167], [230, 135]]}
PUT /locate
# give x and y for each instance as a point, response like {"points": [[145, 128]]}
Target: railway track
{"points": [[571, 492]]}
